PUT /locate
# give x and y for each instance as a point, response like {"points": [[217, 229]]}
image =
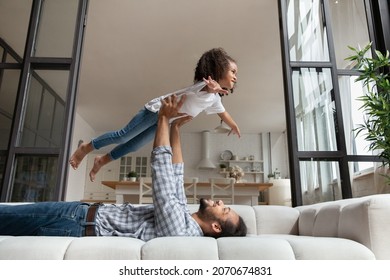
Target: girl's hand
{"points": [[214, 86], [235, 131]]}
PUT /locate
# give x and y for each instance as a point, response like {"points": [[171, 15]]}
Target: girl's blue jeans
{"points": [[137, 133], [44, 219]]}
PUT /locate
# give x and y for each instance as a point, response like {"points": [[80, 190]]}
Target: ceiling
{"points": [[137, 50]]}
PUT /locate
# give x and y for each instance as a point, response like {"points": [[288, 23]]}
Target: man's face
{"points": [[216, 210]]}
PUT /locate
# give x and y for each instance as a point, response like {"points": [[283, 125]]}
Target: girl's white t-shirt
{"points": [[196, 101]]}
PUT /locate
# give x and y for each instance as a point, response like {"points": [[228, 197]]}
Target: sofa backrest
{"points": [[265, 219]]}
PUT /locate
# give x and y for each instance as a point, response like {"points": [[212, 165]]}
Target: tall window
{"points": [[40, 43], [329, 160], [349, 21]]}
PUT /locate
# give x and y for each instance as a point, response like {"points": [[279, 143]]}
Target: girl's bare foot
{"points": [[79, 154], [97, 164]]}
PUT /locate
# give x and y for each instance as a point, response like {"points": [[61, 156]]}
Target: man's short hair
{"points": [[230, 229]]}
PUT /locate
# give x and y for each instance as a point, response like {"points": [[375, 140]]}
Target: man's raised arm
{"points": [[175, 138]]}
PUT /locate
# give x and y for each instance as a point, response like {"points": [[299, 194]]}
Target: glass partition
{"points": [[43, 122], [14, 20], [9, 80], [34, 94], [307, 31], [353, 115], [34, 179], [314, 109], [320, 181], [2, 167], [56, 28], [349, 22], [369, 178]]}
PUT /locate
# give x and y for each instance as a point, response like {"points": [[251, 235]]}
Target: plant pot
{"points": [[132, 179]]}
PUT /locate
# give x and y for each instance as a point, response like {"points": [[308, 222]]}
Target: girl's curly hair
{"points": [[213, 63]]}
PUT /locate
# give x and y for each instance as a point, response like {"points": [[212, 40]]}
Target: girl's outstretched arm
{"points": [[225, 116]]}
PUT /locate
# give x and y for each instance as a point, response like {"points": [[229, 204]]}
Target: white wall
{"points": [[76, 178]]}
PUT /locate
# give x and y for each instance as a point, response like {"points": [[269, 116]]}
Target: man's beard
{"points": [[202, 205], [203, 211]]}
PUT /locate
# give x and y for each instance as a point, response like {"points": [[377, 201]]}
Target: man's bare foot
{"points": [[79, 154], [97, 164]]}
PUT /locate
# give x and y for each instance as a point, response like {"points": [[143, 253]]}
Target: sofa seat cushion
{"points": [[181, 248], [324, 248], [104, 248], [70, 248], [34, 247], [254, 248]]}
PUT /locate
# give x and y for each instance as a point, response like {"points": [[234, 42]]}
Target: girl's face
{"points": [[230, 77]]}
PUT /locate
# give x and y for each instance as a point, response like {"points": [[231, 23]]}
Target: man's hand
{"points": [[181, 121], [171, 106], [214, 86]]}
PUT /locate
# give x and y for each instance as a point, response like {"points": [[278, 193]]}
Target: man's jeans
{"points": [[44, 219], [137, 133]]}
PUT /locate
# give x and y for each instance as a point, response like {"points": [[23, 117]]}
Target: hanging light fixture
{"points": [[222, 128]]}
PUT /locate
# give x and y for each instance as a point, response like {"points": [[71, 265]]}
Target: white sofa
{"points": [[357, 228]]}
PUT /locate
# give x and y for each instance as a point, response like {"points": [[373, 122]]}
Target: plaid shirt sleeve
{"points": [[172, 217]]}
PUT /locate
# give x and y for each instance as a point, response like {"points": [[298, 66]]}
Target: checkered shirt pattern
{"points": [[167, 216]]}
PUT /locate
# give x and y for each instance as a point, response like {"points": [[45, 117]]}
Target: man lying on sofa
{"points": [[167, 216]]}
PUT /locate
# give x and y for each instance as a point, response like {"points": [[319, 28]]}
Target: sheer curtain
{"points": [[314, 108]]}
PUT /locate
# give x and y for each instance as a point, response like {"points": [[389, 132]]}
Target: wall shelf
{"points": [[255, 167]]}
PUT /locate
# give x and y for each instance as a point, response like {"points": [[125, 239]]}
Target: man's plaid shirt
{"points": [[167, 216]]}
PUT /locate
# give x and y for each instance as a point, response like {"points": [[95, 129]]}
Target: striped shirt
{"points": [[167, 216]]}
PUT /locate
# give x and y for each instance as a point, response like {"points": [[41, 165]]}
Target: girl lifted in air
{"points": [[215, 75]]}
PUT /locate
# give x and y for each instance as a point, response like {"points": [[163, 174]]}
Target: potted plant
{"points": [[223, 167], [132, 175], [374, 72]]}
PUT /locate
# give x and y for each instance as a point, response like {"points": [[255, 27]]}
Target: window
{"points": [[34, 179], [134, 163], [314, 109], [39, 66]]}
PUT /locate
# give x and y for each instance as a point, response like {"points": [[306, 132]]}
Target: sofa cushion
{"points": [[327, 221], [254, 248], [324, 248], [248, 215], [104, 248], [180, 248], [274, 219], [34, 247]]}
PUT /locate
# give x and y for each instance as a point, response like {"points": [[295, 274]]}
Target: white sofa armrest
{"points": [[365, 220], [368, 222]]}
